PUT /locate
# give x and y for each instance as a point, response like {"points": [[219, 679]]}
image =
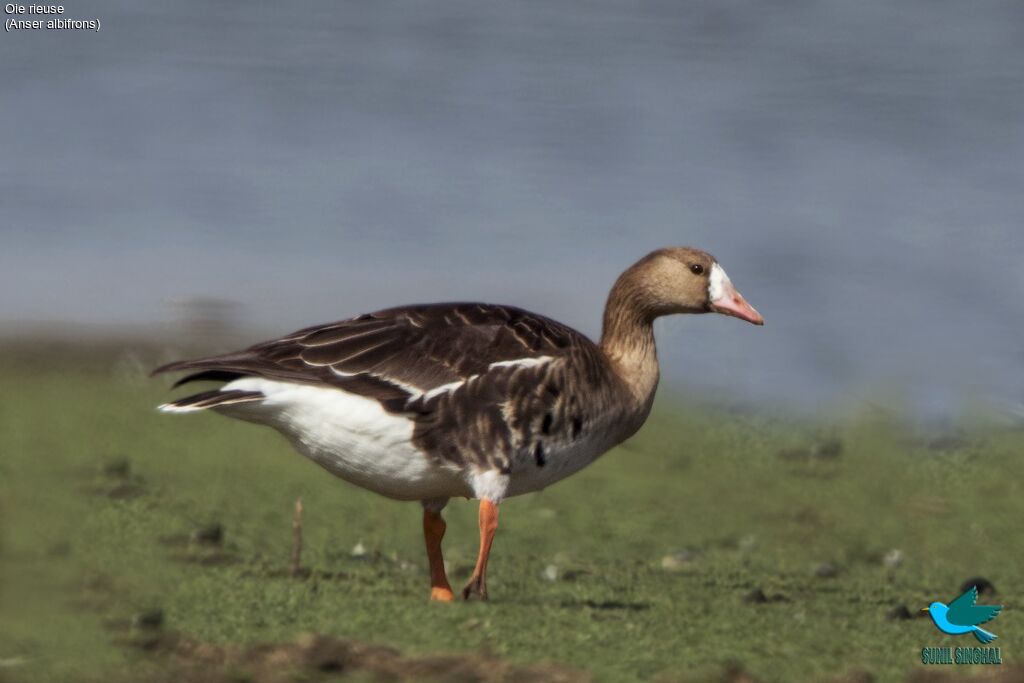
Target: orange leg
{"points": [[488, 525], [433, 532]]}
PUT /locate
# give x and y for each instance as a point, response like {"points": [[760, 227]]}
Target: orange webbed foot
{"points": [[440, 594]]}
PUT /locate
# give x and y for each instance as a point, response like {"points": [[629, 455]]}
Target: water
{"points": [[855, 166]]}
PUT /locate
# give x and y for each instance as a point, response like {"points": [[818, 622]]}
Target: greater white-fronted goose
{"points": [[432, 401]]}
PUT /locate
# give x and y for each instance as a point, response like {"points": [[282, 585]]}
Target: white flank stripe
{"points": [[445, 388], [517, 363], [171, 408], [414, 392], [520, 362]]}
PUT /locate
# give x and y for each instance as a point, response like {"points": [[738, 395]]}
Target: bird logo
{"points": [[963, 616]]}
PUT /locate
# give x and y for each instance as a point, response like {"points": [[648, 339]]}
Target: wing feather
{"points": [[399, 353]]}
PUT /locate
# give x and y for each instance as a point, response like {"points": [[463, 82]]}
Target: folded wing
{"points": [[396, 354]]}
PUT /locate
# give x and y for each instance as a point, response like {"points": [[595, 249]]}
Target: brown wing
{"points": [[396, 353]]}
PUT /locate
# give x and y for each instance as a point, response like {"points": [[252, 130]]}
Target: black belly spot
{"points": [[545, 426], [538, 454], [577, 426]]}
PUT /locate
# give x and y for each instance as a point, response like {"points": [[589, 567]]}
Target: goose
{"points": [[434, 401]]}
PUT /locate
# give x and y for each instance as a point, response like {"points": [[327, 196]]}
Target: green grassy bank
{"points": [[646, 565]]}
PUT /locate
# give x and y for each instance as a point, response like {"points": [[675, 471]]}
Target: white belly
{"points": [[351, 436]]}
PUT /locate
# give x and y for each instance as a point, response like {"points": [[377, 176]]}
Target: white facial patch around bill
{"points": [[718, 283]]}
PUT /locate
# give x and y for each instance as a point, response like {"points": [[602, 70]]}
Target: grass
{"points": [[654, 546]]}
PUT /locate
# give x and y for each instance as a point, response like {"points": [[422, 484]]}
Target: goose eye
{"points": [[697, 269]]}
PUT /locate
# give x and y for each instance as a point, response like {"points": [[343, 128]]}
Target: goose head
{"points": [[684, 280]]}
